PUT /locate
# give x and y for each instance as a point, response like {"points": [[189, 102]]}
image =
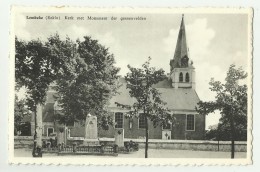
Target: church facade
{"points": [[177, 90]]}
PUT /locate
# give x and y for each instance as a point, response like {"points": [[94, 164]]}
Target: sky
{"points": [[215, 41]]}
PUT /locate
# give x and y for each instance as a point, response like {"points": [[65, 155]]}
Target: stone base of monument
{"points": [[90, 142], [91, 136], [119, 138]]}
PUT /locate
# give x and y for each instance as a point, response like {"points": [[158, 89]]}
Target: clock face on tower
{"points": [[184, 61]]}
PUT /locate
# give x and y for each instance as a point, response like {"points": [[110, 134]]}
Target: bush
{"points": [[224, 135], [131, 146]]}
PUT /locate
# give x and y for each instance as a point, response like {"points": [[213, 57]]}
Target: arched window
{"points": [[187, 77], [181, 77], [184, 61]]}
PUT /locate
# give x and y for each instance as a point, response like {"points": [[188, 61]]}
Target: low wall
{"points": [[25, 141], [223, 146], [196, 145]]}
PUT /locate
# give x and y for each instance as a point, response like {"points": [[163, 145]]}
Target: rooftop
{"points": [[176, 99]]}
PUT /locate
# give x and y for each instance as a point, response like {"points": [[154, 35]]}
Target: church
{"points": [[178, 90]]}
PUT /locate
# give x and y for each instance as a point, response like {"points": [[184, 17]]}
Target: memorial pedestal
{"points": [[91, 136], [119, 137], [90, 142]]}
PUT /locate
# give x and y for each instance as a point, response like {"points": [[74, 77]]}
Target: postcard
{"points": [[130, 86]]}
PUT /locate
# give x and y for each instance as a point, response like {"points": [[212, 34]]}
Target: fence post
{"points": [[39, 151], [59, 147], [49, 145], [115, 148], [62, 146], [74, 147], [102, 148]]}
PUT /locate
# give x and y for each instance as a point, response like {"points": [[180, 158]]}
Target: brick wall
{"points": [[178, 130], [135, 132]]}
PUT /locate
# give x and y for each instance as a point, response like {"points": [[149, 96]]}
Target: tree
{"points": [[89, 81], [221, 132], [37, 64], [231, 101], [140, 82], [20, 111]]}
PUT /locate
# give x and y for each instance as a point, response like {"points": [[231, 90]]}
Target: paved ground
{"points": [[152, 153]]}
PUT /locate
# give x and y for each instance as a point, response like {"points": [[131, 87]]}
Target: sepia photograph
{"points": [[131, 85]]}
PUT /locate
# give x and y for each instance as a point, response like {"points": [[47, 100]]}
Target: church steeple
{"points": [[182, 73], [180, 58]]}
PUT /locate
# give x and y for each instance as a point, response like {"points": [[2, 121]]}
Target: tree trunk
{"points": [[232, 149], [35, 133], [218, 136], [146, 137], [232, 136], [37, 145]]}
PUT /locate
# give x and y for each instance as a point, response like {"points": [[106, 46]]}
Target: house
{"points": [[177, 90]]}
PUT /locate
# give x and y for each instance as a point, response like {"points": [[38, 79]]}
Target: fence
{"points": [[83, 150], [196, 145], [201, 145]]}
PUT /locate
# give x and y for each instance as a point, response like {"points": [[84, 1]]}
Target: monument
{"points": [[91, 133], [61, 135], [119, 137]]}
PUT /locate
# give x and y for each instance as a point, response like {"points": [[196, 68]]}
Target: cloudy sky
{"points": [[215, 41]]}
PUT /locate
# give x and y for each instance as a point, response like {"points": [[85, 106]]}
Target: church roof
{"points": [[48, 112], [48, 108], [177, 99], [181, 46], [50, 97], [181, 99]]}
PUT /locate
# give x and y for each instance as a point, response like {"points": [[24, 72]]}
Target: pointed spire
{"points": [[181, 50]]}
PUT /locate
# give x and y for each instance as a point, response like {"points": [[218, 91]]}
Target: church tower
{"points": [[182, 71]]}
